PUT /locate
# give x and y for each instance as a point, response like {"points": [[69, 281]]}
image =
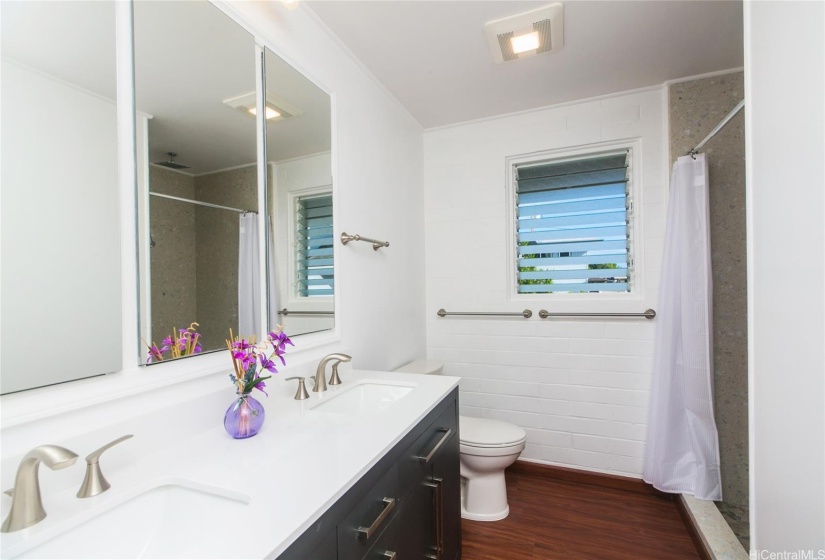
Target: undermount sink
{"points": [[176, 518], [365, 398]]}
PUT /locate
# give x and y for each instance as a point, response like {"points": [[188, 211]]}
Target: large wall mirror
{"points": [[61, 276], [198, 186], [299, 178]]}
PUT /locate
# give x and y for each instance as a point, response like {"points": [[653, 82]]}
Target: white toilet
{"points": [[487, 448]]}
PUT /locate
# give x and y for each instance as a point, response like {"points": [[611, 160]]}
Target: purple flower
{"points": [[260, 386], [168, 341], [156, 353], [268, 364], [241, 344], [280, 339], [280, 353]]}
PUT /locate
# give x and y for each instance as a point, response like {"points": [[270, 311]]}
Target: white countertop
{"points": [[299, 464]]}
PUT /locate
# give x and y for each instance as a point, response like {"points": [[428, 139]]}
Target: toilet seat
{"points": [[491, 451], [486, 433]]}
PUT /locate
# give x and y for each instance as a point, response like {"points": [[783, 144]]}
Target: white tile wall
{"points": [[578, 387]]}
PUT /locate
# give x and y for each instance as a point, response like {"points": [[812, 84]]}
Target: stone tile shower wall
{"points": [[195, 258], [217, 233], [695, 108], [173, 256]]}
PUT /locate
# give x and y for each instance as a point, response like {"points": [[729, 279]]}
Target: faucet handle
{"points": [[94, 482], [335, 379], [302, 389]]}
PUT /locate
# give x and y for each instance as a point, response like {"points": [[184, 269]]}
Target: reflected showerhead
{"points": [[171, 164]]}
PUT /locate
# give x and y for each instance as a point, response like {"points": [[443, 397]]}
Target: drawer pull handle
{"points": [[438, 485], [390, 555], [367, 532], [447, 433]]}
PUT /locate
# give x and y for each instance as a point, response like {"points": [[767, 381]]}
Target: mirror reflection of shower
{"points": [[197, 168]]}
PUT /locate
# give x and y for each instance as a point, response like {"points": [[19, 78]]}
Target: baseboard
{"points": [[592, 478], [693, 530]]}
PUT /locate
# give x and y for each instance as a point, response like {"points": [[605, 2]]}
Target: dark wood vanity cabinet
{"points": [[407, 507]]}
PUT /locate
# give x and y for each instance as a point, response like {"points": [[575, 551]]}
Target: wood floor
{"points": [[552, 519]]}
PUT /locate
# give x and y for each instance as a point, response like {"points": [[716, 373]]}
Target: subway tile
{"points": [[631, 330], [613, 380], [596, 411], [626, 448], [627, 430], [567, 329], [579, 387], [611, 347], [592, 443], [631, 466], [631, 414], [548, 437]]}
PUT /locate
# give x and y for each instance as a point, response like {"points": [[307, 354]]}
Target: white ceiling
{"points": [[433, 56], [189, 57]]}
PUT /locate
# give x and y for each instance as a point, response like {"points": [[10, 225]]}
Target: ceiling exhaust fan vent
{"points": [[527, 34]]}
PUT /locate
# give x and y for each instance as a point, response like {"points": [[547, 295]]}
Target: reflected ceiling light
{"points": [[270, 112], [527, 34], [290, 4], [277, 109]]}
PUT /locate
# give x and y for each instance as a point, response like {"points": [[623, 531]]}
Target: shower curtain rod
{"points": [[199, 203], [719, 127]]}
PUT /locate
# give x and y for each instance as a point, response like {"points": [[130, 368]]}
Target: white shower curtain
{"points": [[249, 278], [682, 452]]}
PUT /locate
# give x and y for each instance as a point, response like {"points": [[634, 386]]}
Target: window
{"points": [[314, 256], [572, 225]]}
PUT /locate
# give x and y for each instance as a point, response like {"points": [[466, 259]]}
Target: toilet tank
{"points": [[428, 367]]}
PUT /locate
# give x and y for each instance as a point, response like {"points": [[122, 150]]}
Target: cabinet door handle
{"points": [[390, 555], [367, 532], [447, 433], [438, 485]]}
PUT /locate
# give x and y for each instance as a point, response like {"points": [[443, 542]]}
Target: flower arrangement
{"points": [[182, 342], [247, 356], [245, 416]]}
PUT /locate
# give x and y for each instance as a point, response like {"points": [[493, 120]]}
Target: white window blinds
{"points": [[316, 273], [572, 225]]}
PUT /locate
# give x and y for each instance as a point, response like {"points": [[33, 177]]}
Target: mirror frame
{"points": [[207, 372]]}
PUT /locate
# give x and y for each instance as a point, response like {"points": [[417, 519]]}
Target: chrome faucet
{"points": [[27, 506], [320, 373]]}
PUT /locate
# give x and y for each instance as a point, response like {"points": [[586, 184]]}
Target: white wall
{"points": [[785, 90], [578, 387], [60, 236]]}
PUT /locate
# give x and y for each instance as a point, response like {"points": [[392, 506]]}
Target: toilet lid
{"points": [[483, 432]]}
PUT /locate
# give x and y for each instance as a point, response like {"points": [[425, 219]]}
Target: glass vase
{"points": [[244, 417]]}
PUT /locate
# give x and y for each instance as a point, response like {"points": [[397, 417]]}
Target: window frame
{"points": [[293, 282], [635, 224]]}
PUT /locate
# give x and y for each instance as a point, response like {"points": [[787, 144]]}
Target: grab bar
{"points": [[648, 314], [526, 313], [346, 238], [286, 311]]}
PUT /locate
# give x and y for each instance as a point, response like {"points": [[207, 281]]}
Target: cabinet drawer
{"points": [[415, 463], [364, 525], [387, 546]]}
